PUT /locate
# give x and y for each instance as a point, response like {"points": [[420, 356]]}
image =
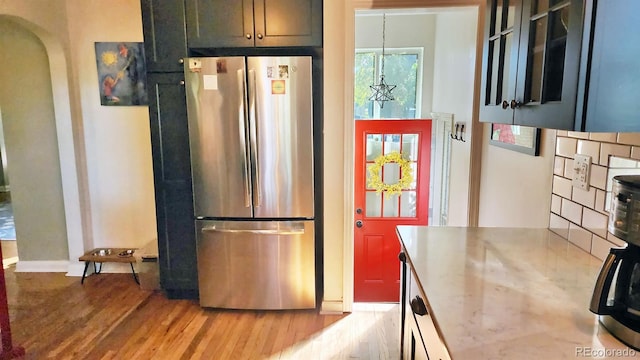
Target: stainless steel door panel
{"points": [[256, 264], [282, 129], [216, 96]]}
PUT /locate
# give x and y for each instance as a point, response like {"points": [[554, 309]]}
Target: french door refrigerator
{"points": [[251, 140]]}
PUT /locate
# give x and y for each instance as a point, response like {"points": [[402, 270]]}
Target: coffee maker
{"points": [[616, 297]]}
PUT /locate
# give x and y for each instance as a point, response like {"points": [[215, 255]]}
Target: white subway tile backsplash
{"points": [[591, 148], [556, 203], [604, 137], [562, 186], [577, 215], [558, 166], [571, 211], [598, 177], [579, 135], [595, 222], [566, 147], [616, 240], [585, 197], [600, 247], [568, 168], [613, 149], [580, 237], [629, 138], [600, 201], [559, 225]]}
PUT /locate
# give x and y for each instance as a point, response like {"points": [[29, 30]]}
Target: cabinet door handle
{"points": [[505, 104], [515, 104], [181, 61], [418, 306], [259, 36], [248, 36]]}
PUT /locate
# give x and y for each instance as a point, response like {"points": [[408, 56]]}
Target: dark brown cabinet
{"points": [[165, 37], [419, 338], [249, 23], [558, 64], [531, 60], [172, 181]]}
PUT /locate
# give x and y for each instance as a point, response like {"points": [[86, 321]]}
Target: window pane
{"points": [[391, 143], [390, 206], [410, 146], [505, 92], [556, 48], [364, 76], [390, 173], [535, 63], [373, 204], [374, 146], [408, 204], [400, 70]]}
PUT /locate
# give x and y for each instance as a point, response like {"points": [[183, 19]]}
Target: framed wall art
{"points": [[121, 73], [523, 139]]}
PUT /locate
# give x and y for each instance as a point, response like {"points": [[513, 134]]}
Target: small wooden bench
{"points": [[103, 255]]}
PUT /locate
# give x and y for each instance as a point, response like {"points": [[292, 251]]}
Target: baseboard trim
{"points": [[331, 308], [42, 266]]}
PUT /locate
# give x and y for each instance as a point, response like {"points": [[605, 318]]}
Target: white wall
{"points": [[113, 181], [117, 138], [515, 188], [454, 64]]}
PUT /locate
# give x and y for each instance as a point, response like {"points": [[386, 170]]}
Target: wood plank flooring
{"points": [[110, 317]]}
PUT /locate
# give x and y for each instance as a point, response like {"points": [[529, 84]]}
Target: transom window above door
{"points": [[402, 67]]}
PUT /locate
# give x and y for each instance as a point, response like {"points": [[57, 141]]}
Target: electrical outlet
{"points": [[581, 171]]}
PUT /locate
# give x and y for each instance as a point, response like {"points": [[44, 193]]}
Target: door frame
{"points": [[475, 138]]}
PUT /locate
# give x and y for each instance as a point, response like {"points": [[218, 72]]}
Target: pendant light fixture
{"points": [[382, 91]]}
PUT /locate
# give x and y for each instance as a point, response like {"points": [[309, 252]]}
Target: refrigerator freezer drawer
{"points": [[264, 265]]}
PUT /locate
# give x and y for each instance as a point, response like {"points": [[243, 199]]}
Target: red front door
{"points": [[376, 247]]}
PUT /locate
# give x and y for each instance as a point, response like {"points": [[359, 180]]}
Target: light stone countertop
{"points": [[498, 293]]}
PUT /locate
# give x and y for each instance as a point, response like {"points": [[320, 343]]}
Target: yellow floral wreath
{"points": [[406, 174]]}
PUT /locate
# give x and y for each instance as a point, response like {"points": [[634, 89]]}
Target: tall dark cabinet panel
{"points": [[165, 38], [172, 178], [258, 23], [615, 79]]}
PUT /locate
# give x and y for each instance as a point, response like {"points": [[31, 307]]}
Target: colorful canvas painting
{"points": [[121, 73]]}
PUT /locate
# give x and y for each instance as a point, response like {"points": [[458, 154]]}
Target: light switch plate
{"points": [[581, 171]]}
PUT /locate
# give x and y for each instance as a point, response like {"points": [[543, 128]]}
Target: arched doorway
{"points": [[34, 97]]}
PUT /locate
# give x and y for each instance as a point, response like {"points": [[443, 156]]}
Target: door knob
{"points": [[358, 211], [505, 104], [418, 306], [359, 223]]}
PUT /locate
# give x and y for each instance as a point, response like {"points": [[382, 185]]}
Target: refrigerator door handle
{"points": [[242, 121], [256, 231], [257, 195]]}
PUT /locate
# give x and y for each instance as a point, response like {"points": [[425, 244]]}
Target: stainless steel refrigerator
{"points": [[251, 140]]}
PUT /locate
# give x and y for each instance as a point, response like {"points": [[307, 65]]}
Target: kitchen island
{"points": [[498, 293]]}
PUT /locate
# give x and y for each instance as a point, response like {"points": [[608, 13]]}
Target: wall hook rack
{"points": [[459, 132]]}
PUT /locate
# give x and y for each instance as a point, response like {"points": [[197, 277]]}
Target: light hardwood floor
{"points": [[110, 317]]}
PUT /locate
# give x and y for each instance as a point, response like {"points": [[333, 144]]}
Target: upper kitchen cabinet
{"points": [[165, 40], [249, 23], [561, 64], [531, 60]]}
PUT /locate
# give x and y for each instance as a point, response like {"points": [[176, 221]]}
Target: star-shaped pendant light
{"points": [[382, 91]]}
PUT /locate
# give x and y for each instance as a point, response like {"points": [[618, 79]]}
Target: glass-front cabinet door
{"points": [[548, 63], [500, 60], [531, 62]]}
